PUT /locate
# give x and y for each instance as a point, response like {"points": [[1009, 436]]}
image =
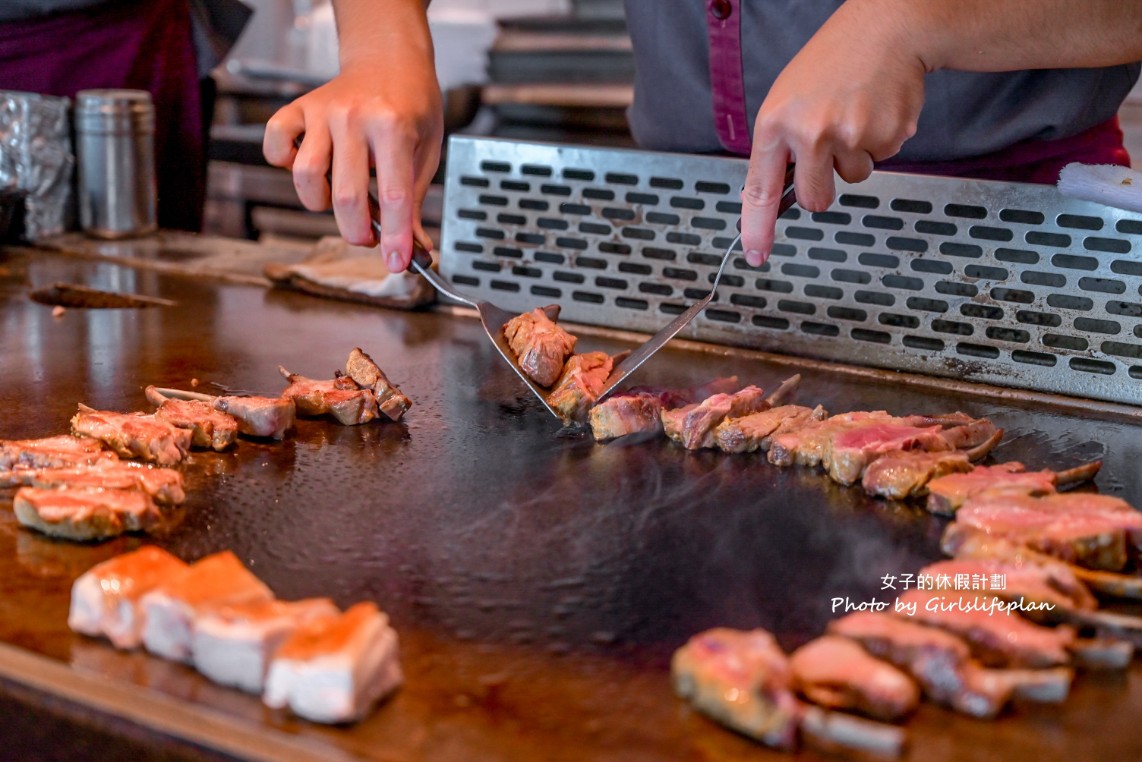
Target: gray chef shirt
{"points": [[965, 114]]}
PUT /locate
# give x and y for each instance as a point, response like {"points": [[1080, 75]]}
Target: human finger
{"points": [[311, 165], [395, 197], [282, 131], [760, 198], [350, 190]]}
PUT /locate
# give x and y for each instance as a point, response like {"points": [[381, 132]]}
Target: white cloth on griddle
{"points": [[1108, 184]]}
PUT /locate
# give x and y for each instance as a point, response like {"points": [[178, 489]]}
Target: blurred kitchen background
{"points": [[556, 70]]}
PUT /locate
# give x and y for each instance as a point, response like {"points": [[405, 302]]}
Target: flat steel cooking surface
{"points": [[539, 583]]}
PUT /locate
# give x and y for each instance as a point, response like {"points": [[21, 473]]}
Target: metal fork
{"points": [[656, 342], [492, 317]]}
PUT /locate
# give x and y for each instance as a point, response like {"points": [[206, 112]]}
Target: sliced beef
{"points": [[368, 375], [86, 514], [583, 378], [693, 426], [340, 398], [210, 429], [260, 417], [540, 346], [164, 485], [837, 673], [946, 494], [134, 435], [902, 474], [624, 414], [51, 452], [749, 433], [806, 445]]}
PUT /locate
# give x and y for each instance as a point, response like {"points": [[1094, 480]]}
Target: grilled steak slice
{"points": [[996, 636], [164, 485], [806, 445], [105, 599], [134, 435], [210, 428], [335, 669], [946, 494], [51, 452], [340, 397], [838, 674], [941, 663], [693, 426], [752, 432], [742, 680], [368, 375], [233, 643], [171, 608], [906, 473], [624, 414], [85, 514], [1097, 531], [579, 385], [261, 417], [967, 542], [1011, 580], [677, 397], [540, 346]]}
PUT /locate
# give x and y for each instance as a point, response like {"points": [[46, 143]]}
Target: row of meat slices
{"points": [[326, 665], [115, 472]]}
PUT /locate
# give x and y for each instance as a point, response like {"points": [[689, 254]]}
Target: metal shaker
{"points": [[115, 154]]}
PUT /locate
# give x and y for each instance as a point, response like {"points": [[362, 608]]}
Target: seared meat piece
{"points": [[51, 452], [963, 541], [941, 663], [671, 398], [170, 609], [579, 385], [164, 485], [996, 636], [848, 452], [693, 426], [623, 414], [368, 375], [233, 643], [906, 473], [105, 600], [540, 346], [134, 435], [263, 417], [1048, 583], [838, 674], [805, 445], [752, 432], [334, 669], [339, 397], [1097, 531], [946, 494], [85, 514], [742, 680], [210, 429]]}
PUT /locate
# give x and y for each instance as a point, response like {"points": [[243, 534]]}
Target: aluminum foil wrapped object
{"points": [[36, 159]]}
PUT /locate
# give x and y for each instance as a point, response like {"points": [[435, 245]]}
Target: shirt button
{"points": [[721, 9]]}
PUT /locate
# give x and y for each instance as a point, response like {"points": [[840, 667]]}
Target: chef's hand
{"points": [[384, 111], [850, 97]]}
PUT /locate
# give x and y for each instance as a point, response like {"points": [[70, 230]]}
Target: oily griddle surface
{"points": [[539, 582]]}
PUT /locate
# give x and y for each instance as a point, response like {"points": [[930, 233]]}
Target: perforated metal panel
{"points": [[1005, 283]]}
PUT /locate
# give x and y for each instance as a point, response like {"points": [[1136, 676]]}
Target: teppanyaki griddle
{"points": [[539, 583]]}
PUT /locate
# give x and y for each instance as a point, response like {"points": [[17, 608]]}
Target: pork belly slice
{"points": [[968, 542], [906, 473], [86, 514], [170, 610], [210, 429], [942, 665], [52, 452], [1097, 531], [743, 680], [368, 375], [335, 669], [232, 644], [749, 433], [134, 435], [848, 452], [164, 485], [621, 415], [578, 387], [105, 599], [996, 636], [947, 493], [836, 673], [340, 398], [693, 426], [541, 347]]}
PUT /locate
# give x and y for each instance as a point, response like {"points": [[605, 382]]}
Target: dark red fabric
{"points": [[1033, 161], [727, 80], [138, 44]]}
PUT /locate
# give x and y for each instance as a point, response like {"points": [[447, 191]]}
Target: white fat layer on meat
{"points": [[95, 612], [342, 686], [167, 626]]}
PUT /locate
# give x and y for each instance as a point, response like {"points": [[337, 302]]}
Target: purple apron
{"points": [[138, 44]]}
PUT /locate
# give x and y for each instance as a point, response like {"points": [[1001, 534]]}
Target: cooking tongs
{"points": [[491, 316], [655, 342]]}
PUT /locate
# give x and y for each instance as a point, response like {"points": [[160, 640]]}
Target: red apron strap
{"points": [[727, 81]]}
